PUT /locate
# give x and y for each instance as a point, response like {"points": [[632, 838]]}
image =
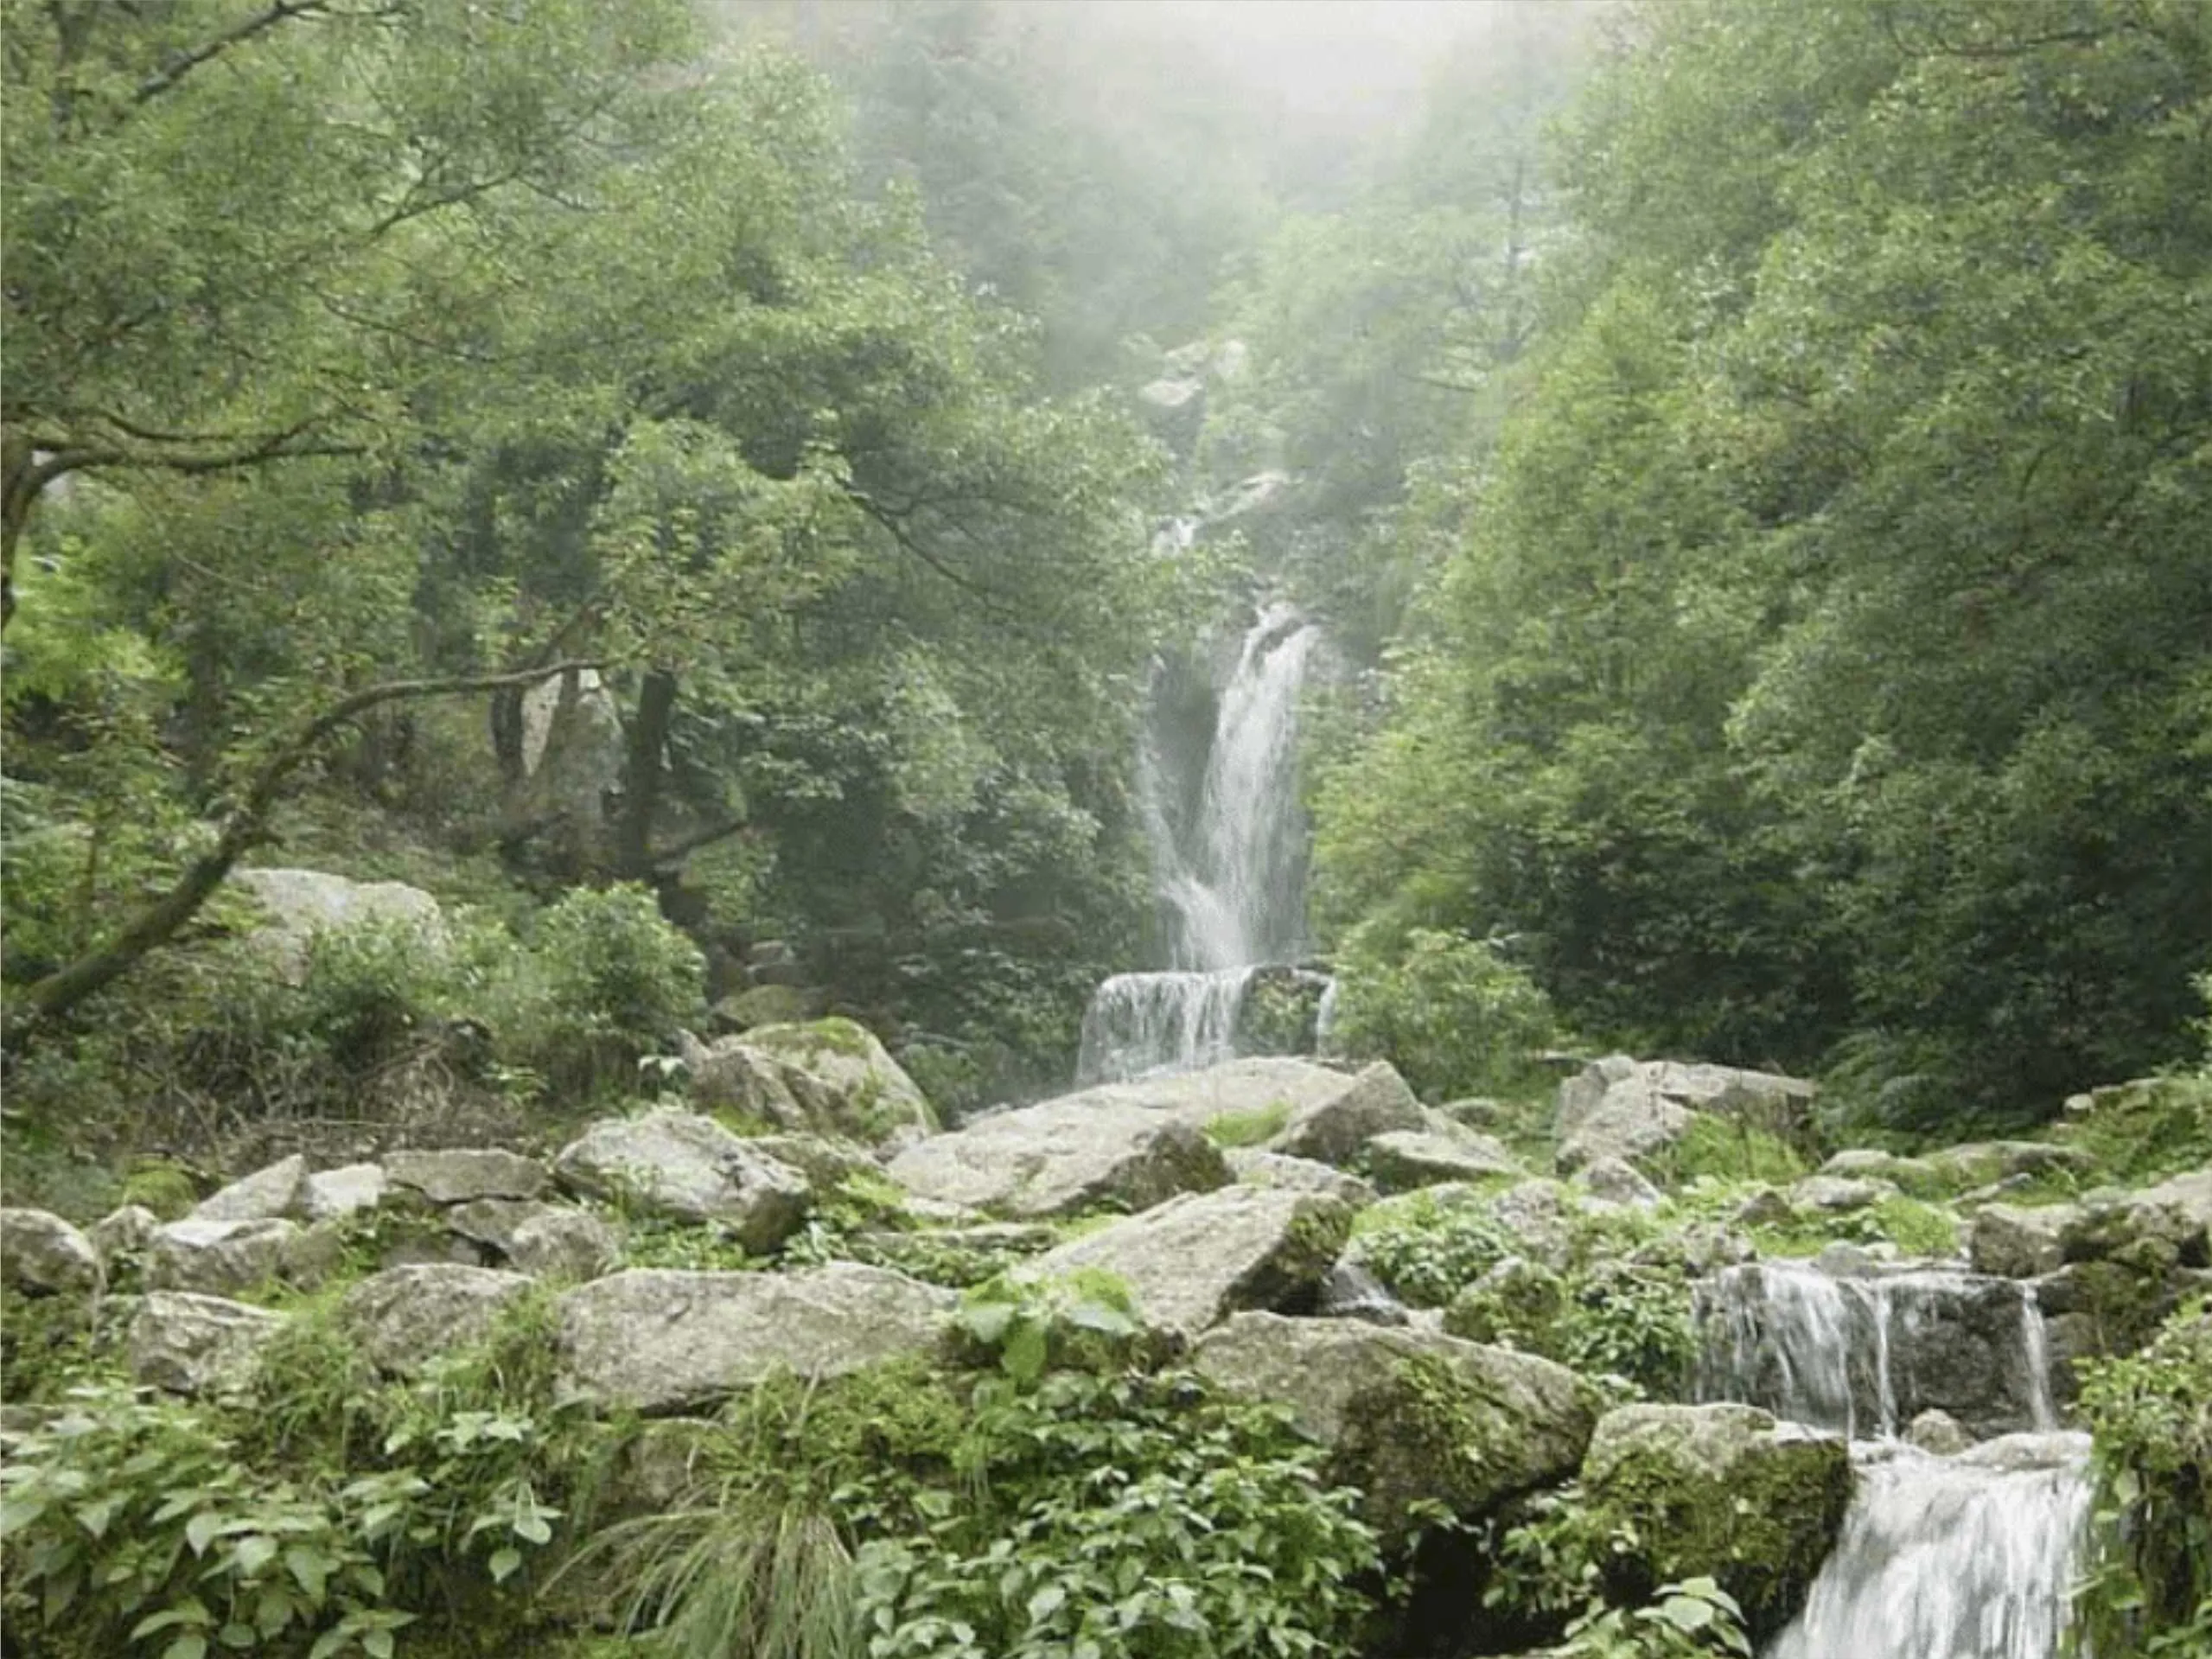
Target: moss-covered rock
{"points": [[822, 1076], [1413, 1418], [1721, 1491]]}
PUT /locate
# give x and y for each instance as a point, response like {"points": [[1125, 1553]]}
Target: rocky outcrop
{"points": [[125, 1232], [1402, 1160], [2012, 1242], [661, 1341], [1410, 1416], [40, 1254], [225, 1258], [1722, 1491], [1194, 1261], [457, 1175], [676, 1163], [1063, 1156], [403, 1316], [823, 1077], [333, 1194], [1633, 1110], [190, 1344], [266, 1195], [302, 902], [1335, 1127], [544, 1241]]}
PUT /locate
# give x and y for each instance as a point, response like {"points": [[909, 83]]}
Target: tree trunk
{"points": [[642, 778]]}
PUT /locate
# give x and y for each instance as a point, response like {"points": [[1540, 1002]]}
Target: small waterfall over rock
{"points": [[1967, 1557], [1863, 1356], [1229, 851], [1962, 1557]]}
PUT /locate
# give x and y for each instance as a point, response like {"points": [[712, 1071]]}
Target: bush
{"points": [[2149, 1590], [1450, 1013], [607, 982]]}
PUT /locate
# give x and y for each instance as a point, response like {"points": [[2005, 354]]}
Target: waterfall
{"points": [[1964, 1557], [1141, 1022], [1863, 1356], [1967, 1557], [1229, 868]]}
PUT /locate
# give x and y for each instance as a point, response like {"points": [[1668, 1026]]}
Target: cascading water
{"points": [[1229, 869], [1967, 1557], [1963, 1557]]}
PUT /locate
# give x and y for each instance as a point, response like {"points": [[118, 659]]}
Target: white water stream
{"points": [[1231, 879], [1962, 1557]]}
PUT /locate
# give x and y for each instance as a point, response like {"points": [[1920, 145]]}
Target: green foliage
{"points": [[1726, 1149], [606, 982], [1125, 1516], [1425, 1247], [2143, 1131], [2150, 1586], [1451, 1013], [1695, 1616], [1084, 1320], [1248, 1129], [1820, 677]]}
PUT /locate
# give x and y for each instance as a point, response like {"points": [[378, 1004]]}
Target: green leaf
{"points": [[1686, 1613], [200, 1530], [503, 1564], [187, 1647], [1025, 1356]]}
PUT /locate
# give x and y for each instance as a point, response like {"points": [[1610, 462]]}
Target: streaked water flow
{"points": [[1231, 880]]}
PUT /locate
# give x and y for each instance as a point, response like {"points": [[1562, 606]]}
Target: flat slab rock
{"points": [[1411, 1415], [404, 1314], [663, 1340], [190, 1344], [280, 1189], [682, 1165], [1191, 1262], [456, 1174], [1063, 1155], [218, 1258]]}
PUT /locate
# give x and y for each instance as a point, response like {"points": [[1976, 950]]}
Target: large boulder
{"points": [[2012, 1242], [677, 1162], [1633, 1110], [543, 1241], [1063, 1155], [1341, 1122], [1194, 1261], [1721, 1491], [225, 1258], [189, 1344], [40, 1254], [280, 1189], [457, 1175], [333, 1194], [403, 1316], [659, 1340], [1402, 1160], [301, 902], [844, 1081], [1410, 1416]]}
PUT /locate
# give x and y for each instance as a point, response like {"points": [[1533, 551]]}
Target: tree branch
{"points": [[178, 68], [243, 827]]}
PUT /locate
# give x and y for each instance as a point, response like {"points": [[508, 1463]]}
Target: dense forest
{"points": [[715, 501]]}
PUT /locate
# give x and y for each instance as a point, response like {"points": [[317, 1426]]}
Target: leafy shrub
{"points": [[608, 980], [1424, 1248], [1451, 1013], [1085, 1320], [1120, 1517], [1726, 1149], [2150, 1589]]}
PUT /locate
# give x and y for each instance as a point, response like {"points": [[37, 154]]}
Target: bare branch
{"points": [[178, 68]]}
